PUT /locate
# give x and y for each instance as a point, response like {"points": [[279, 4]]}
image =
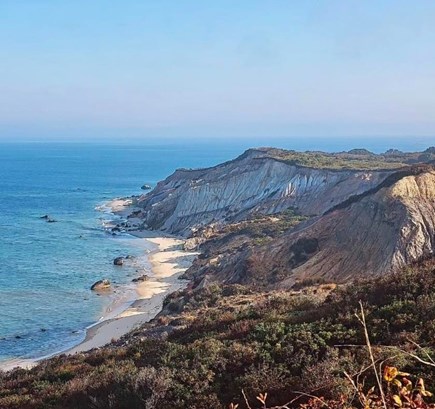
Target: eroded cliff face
{"points": [[251, 184], [381, 232], [360, 222], [378, 233], [417, 233]]}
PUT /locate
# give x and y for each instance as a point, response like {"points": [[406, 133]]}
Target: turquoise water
{"points": [[46, 269]]}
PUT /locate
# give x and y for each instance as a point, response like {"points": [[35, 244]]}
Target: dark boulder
{"points": [[101, 285], [119, 261], [48, 219]]}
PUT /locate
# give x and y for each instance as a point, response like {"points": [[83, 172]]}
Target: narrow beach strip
{"points": [[168, 262]]}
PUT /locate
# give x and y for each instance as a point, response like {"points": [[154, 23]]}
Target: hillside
{"points": [[211, 344]]}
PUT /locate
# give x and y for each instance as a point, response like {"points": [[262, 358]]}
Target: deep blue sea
{"points": [[46, 269]]}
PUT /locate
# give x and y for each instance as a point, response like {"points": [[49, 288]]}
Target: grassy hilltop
{"points": [[355, 159]]}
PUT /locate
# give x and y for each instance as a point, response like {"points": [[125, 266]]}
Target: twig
{"points": [[246, 399], [413, 356], [312, 396], [422, 349], [362, 320], [354, 386]]}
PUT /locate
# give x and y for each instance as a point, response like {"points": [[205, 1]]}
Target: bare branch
{"points": [[422, 349], [313, 397], [416, 357], [246, 399], [362, 319]]}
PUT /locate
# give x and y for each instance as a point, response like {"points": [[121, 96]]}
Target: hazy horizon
{"points": [[251, 69], [239, 144]]}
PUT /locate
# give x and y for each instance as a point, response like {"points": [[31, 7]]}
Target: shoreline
{"points": [[168, 262]]}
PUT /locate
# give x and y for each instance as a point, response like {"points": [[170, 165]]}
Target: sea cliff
{"points": [[353, 213], [255, 182]]}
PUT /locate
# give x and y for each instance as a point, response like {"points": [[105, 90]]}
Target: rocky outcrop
{"points": [[253, 183], [379, 233]]}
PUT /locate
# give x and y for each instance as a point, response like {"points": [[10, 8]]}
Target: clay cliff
{"points": [[255, 182], [267, 219], [379, 232]]}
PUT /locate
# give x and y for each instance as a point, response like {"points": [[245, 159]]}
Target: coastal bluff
{"points": [[258, 181], [352, 213]]}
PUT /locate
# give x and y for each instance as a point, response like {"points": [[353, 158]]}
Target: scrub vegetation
{"points": [[356, 159], [369, 344]]}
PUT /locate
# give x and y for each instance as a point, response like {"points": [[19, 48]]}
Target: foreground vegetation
{"points": [[227, 346]]}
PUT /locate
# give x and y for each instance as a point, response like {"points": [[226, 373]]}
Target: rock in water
{"points": [[101, 285], [48, 219], [140, 279], [146, 187], [119, 261]]}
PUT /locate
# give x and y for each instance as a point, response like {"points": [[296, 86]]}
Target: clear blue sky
{"points": [[217, 68]]}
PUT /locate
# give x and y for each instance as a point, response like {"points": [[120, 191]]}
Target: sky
{"points": [[210, 69]]}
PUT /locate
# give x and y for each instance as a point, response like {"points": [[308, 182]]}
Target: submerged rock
{"points": [[48, 219], [101, 285], [146, 187]]}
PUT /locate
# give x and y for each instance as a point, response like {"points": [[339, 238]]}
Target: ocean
{"points": [[46, 269]]}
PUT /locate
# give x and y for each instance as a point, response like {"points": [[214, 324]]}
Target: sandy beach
{"points": [[168, 261]]}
